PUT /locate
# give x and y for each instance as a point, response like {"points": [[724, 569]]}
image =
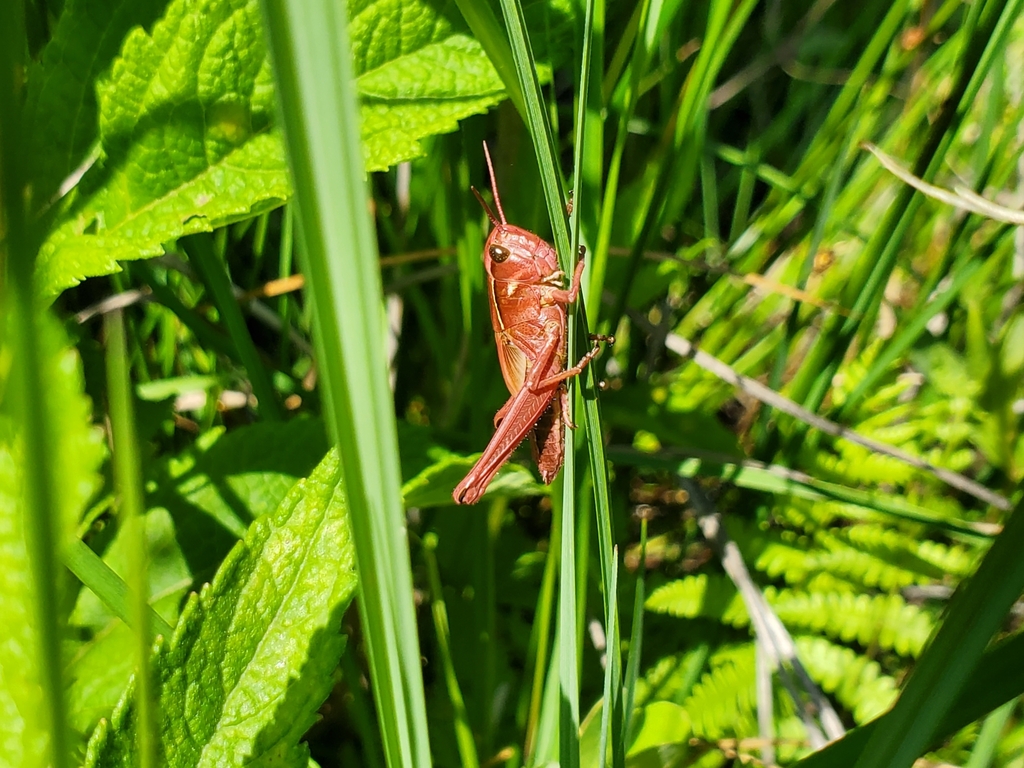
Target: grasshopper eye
{"points": [[499, 253]]}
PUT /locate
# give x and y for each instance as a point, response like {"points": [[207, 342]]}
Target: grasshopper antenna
{"points": [[494, 189], [487, 208]]}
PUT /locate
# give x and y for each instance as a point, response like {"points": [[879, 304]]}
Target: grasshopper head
{"points": [[512, 252]]}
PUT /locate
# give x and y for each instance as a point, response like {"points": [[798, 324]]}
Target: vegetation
{"points": [[790, 514]]}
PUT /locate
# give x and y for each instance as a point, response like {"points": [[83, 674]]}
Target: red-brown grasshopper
{"points": [[528, 313]]}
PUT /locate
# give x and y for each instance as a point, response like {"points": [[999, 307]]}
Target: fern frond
{"points": [[857, 682], [928, 559], [856, 465], [809, 516], [883, 561], [670, 679], [723, 703], [864, 569], [886, 621], [696, 596]]}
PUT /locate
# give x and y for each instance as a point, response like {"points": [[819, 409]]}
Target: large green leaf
{"points": [[253, 655], [203, 503], [187, 139], [214, 490], [187, 131], [62, 110]]}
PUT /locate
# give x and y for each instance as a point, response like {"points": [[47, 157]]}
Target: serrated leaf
{"points": [[214, 491], [61, 110], [80, 451], [187, 132], [253, 655], [419, 73], [188, 142]]}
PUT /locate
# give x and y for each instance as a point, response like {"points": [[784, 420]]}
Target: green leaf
{"points": [[61, 109], [216, 490], [253, 655], [80, 448], [657, 724], [188, 143], [419, 73], [204, 502], [187, 123]]}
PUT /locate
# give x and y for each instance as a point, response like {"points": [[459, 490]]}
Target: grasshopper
{"points": [[528, 313]]}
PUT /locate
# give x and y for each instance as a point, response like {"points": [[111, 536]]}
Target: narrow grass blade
{"points": [[612, 668], [997, 678], [540, 639], [879, 255], [24, 330], [485, 27], [782, 480], [128, 479], [984, 751], [910, 332], [284, 269], [587, 168], [544, 146], [89, 568], [215, 276], [635, 643], [463, 730], [312, 59], [638, 67]]}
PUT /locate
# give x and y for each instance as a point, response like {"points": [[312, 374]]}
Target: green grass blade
{"points": [[463, 729], [536, 120], [89, 568], [777, 479], [612, 668], [879, 255], [587, 168], [128, 479], [998, 678], [983, 753], [910, 332], [544, 146], [635, 644], [312, 58], [485, 27], [637, 69], [587, 180], [540, 638], [214, 273], [23, 327], [670, 175], [284, 269], [569, 655], [974, 615]]}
